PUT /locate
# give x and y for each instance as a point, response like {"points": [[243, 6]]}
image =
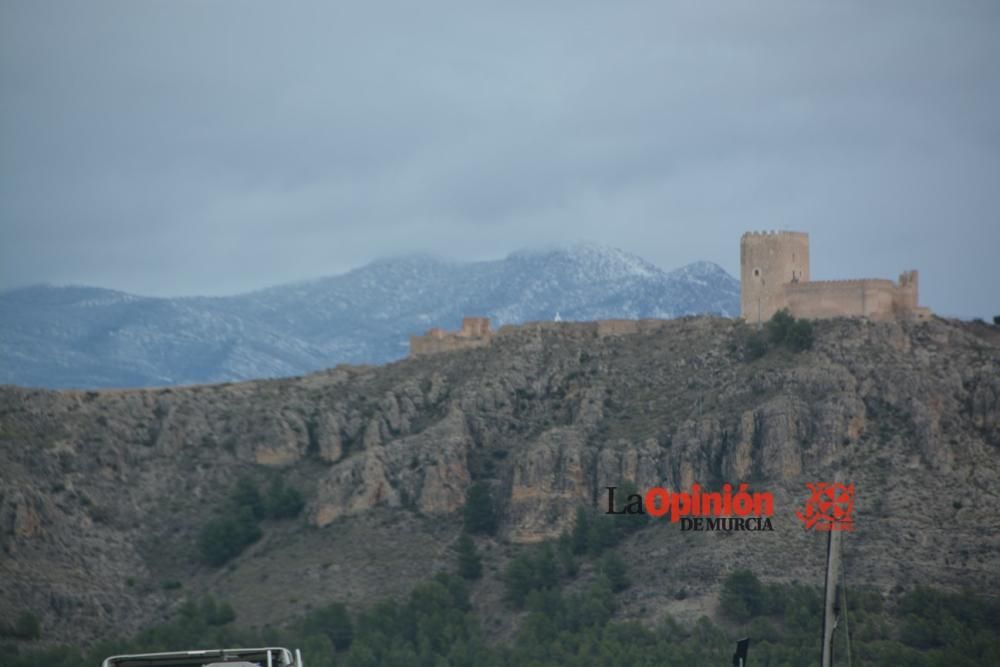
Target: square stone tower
{"points": [[769, 261]]}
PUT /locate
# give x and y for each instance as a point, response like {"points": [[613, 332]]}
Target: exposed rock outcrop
{"points": [[100, 489]]}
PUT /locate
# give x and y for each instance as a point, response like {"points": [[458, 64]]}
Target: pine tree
{"points": [[480, 513], [470, 565]]}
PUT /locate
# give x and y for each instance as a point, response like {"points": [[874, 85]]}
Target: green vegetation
{"points": [[782, 330], [470, 565], [480, 512], [534, 571], [571, 625], [283, 502], [25, 627], [226, 536]]}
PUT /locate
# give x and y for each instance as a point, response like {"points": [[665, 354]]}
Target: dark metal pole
{"points": [[830, 596]]}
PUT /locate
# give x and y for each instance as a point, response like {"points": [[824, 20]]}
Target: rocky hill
{"points": [[82, 337], [102, 493]]}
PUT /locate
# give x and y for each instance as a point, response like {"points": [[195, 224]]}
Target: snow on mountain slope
{"points": [[90, 337]]}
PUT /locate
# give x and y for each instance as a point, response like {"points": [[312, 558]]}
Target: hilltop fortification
{"points": [[774, 275], [475, 332]]}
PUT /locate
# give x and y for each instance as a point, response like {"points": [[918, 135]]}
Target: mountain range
{"points": [[87, 337]]}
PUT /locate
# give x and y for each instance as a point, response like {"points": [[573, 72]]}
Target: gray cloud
{"points": [[179, 148]]}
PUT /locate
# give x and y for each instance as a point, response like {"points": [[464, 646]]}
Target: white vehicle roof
{"points": [[228, 657]]}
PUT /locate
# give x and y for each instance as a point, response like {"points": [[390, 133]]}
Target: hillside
{"points": [[103, 493], [82, 337]]}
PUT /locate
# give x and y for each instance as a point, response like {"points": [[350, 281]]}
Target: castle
{"points": [[774, 275], [475, 332]]}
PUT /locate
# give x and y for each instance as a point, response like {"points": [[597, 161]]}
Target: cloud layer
{"points": [[190, 147]]}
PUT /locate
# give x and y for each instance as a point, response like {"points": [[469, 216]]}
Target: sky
{"points": [[180, 148]]}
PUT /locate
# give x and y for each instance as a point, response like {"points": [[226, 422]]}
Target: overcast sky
{"points": [[171, 148]]}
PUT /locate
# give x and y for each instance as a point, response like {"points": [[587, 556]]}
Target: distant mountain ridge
{"points": [[89, 337]]}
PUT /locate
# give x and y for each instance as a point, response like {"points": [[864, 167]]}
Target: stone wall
{"points": [[774, 274], [871, 298], [475, 332]]}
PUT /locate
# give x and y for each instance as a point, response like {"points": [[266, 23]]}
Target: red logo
{"points": [[829, 508]]}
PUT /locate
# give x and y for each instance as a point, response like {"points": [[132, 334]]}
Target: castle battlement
{"points": [[848, 282], [774, 232], [475, 332], [774, 275]]}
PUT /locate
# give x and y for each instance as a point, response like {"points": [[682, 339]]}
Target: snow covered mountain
{"points": [[88, 337]]}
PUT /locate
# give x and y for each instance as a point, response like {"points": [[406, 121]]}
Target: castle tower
{"points": [[768, 261]]}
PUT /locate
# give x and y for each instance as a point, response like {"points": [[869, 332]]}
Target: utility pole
{"points": [[830, 606]]}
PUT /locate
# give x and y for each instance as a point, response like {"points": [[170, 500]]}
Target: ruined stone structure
{"points": [[475, 332], [774, 274]]}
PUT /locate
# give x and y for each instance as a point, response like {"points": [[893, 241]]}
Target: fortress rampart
{"points": [[774, 275], [475, 332]]}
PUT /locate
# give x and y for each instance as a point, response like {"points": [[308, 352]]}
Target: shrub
{"points": [[800, 335], [283, 502], [27, 626], [470, 565], [215, 613], [222, 539], [333, 622], [532, 571], [742, 596], [782, 329], [480, 512], [245, 494], [613, 567], [756, 346]]}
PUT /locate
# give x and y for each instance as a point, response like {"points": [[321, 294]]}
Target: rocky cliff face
{"points": [[102, 493]]}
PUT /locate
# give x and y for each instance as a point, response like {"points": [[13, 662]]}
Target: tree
{"points": [[226, 537], [581, 531], [283, 502], [742, 596], [470, 565], [996, 320], [245, 494], [26, 626], [613, 567], [800, 335], [779, 326], [333, 622], [783, 329], [480, 512], [214, 613], [756, 346], [532, 571]]}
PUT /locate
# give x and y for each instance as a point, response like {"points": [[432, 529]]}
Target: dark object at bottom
{"points": [[740, 657]]}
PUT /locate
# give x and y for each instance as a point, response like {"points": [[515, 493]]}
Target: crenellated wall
{"points": [[475, 332], [774, 275]]}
